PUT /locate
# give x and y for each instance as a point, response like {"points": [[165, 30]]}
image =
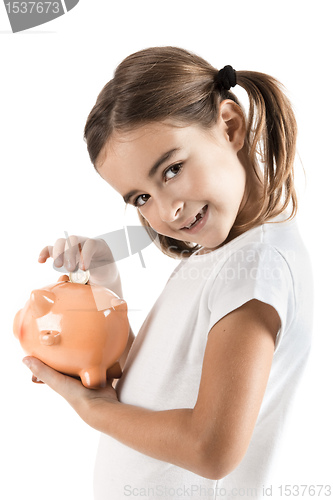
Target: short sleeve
{"points": [[255, 271]]}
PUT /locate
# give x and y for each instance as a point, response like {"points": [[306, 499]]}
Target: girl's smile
{"points": [[189, 183], [197, 222]]}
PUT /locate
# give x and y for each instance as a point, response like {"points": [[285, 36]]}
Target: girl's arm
{"points": [[212, 438]]}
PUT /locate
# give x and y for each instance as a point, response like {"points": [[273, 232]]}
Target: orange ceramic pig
{"points": [[80, 330]]}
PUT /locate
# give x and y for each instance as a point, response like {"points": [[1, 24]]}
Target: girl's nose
{"points": [[170, 212]]}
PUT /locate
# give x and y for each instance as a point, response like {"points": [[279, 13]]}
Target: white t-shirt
{"points": [[163, 369]]}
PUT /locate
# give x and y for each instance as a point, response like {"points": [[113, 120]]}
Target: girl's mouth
{"points": [[198, 222]]}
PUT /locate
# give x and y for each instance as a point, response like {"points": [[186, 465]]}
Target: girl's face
{"points": [[189, 183]]}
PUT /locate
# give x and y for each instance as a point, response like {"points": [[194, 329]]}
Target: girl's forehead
{"points": [[149, 141], [141, 143], [146, 130], [152, 133]]}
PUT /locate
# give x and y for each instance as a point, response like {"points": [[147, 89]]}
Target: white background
{"points": [[50, 78]]}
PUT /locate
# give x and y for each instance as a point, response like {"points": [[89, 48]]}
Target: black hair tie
{"points": [[226, 77]]}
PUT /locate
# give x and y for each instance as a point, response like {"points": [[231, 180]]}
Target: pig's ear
{"points": [[41, 302], [64, 278], [118, 303]]}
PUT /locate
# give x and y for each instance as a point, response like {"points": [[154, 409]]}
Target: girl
{"points": [[208, 381]]}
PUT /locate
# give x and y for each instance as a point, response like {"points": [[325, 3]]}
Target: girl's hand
{"points": [[88, 403], [88, 253]]}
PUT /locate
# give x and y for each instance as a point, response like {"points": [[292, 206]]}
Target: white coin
{"points": [[79, 276]]}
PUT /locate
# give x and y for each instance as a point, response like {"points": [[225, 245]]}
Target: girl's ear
{"points": [[233, 122]]}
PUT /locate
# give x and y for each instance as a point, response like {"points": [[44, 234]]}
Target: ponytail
{"points": [[271, 136]]}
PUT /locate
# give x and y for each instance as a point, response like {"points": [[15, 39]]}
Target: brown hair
{"points": [[169, 82]]}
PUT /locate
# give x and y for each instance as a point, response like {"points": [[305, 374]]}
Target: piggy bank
{"points": [[79, 330]]}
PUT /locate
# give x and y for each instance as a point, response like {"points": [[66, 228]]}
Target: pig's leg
{"points": [[93, 377]]}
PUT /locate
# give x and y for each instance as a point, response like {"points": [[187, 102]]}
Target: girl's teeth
{"points": [[197, 217], [194, 220]]}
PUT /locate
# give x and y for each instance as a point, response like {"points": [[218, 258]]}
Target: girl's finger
{"points": [[58, 252], [87, 251], [72, 252], [45, 254], [67, 387]]}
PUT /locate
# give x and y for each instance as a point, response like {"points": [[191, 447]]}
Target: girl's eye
{"points": [[168, 174], [140, 201], [172, 171]]}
